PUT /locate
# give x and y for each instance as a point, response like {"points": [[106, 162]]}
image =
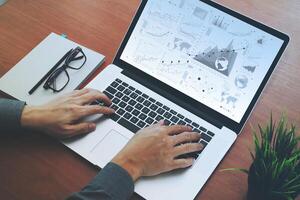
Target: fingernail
{"points": [[191, 162], [92, 126], [201, 146]]}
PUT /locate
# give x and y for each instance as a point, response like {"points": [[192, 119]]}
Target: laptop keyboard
{"points": [[136, 110]]}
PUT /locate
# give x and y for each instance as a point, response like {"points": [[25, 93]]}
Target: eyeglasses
{"points": [[58, 78]]}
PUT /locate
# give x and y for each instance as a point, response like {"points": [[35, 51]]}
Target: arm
{"points": [[150, 152], [112, 183], [10, 115]]}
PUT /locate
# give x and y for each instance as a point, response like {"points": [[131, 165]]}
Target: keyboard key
{"points": [[145, 110], [114, 117], [145, 96], [152, 114], [125, 84], [134, 120], [136, 112], [125, 98], [149, 120], [195, 125], [160, 111], [121, 88], [210, 133], [115, 107], [111, 90], [205, 137], [140, 99], [158, 118], [180, 116], [153, 107], [133, 128], [121, 111], [131, 88], [189, 125], [167, 115], [127, 116], [138, 92], [152, 100], [181, 123], [129, 108], [166, 108], [167, 122], [119, 94], [203, 143], [108, 94], [127, 92], [122, 104], [142, 116], [118, 80], [147, 103], [174, 119], [203, 129], [141, 124], [132, 102], [116, 100], [114, 84], [173, 112], [159, 104], [196, 130], [187, 120], [134, 95], [139, 106]]}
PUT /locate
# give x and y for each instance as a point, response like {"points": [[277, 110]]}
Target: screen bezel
{"points": [[205, 110]]}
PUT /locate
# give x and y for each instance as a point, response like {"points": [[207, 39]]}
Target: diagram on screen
{"points": [[199, 50]]}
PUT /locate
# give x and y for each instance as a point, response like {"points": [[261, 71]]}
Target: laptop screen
{"points": [[211, 56]]}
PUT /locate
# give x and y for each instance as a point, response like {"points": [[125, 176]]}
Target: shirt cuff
{"points": [[114, 180], [10, 114]]}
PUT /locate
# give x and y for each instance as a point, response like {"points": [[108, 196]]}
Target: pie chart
{"points": [[221, 64], [241, 81]]}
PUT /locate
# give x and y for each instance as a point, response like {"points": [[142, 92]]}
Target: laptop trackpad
{"points": [[109, 146]]}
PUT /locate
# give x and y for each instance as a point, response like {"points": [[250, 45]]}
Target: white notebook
{"points": [[23, 76]]}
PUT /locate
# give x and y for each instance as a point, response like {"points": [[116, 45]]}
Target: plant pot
{"points": [[253, 191]]}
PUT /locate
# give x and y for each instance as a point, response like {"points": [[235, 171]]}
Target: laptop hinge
{"points": [[172, 98]]}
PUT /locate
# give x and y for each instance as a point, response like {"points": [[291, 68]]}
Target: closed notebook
{"points": [[24, 75]]}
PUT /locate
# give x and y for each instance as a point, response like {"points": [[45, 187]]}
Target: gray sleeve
{"points": [[10, 114], [112, 183]]}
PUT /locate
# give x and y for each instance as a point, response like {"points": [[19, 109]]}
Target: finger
{"points": [[183, 163], [93, 95], [159, 123], [79, 129], [176, 129], [186, 137], [76, 93], [187, 148], [94, 109]]}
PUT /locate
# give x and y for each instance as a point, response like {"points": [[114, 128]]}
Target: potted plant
{"points": [[275, 171]]}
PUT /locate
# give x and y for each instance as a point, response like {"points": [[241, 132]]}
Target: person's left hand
{"points": [[61, 117]]}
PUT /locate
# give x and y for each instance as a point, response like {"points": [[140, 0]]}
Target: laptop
{"points": [[189, 62]]}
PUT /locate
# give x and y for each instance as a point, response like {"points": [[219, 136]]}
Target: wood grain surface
{"points": [[34, 166]]}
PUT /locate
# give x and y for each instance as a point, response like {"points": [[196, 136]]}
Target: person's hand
{"points": [[153, 150], [61, 117]]}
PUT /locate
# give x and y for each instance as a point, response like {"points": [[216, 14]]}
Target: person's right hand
{"points": [[153, 150]]}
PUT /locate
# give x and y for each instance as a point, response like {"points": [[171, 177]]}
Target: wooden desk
{"points": [[33, 166]]}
